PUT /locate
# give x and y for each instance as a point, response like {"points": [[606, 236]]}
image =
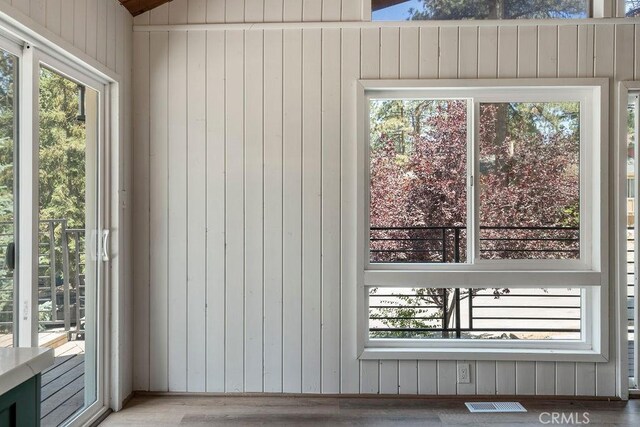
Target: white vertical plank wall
{"points": [[273, 207], [158, 214], [196, 211], [311, 210], [254, 199], [81, 23], [177, 269], [236, 11], [215, 170], [267, 166], [292, 213]]}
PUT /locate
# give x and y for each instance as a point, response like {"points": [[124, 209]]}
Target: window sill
{"points": [[469, 353]]}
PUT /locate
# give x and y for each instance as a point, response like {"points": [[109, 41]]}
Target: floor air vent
{"points": [[495, 407]]}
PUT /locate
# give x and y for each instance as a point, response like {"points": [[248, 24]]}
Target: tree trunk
{"points": [[501, 136], [496, 9]]}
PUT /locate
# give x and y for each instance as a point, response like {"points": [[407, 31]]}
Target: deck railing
{"points": [[630, 295], [458, 312], [61, 276], [448, 244]]}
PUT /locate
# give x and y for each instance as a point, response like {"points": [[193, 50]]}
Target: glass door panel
{"points": [[69, 224], [8, 126]]}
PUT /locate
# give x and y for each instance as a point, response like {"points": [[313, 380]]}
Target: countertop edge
{"points": [[25, 370]]}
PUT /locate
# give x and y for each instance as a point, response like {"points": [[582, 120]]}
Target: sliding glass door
{"points": [[70, 237], [53, 237]]}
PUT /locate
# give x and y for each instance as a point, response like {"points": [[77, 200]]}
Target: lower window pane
{"points": [[493, 314]]}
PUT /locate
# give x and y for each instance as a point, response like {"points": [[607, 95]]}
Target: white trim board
{"points": [[381, 24]]}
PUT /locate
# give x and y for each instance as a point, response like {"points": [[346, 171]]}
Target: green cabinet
{"points": [[20, 406]]}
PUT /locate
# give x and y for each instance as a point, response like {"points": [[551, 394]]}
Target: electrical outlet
{"points": [[464, 375]]}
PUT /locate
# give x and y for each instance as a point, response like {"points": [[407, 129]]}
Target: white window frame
{"points": [[590, 273]]}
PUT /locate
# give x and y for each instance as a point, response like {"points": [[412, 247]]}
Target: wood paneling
{"points": [[292, 213], [176, 190], [280, 132], [255, 221], [261, 10], [311, 210], [230, 11], [158, 103], [273, 207], [216, 169]]}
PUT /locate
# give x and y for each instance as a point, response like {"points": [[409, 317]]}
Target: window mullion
{"points": [[472, 198]]}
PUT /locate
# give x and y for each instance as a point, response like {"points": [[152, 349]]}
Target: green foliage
{"points": [[499, 9], [62, 171], [632, 7], [62, 163], [62, 151]]}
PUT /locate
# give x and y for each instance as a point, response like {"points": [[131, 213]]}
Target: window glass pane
{"points": [[8, 122], [504, 314], [400, 10], [418, 180], [529, 180], [632, 7]]}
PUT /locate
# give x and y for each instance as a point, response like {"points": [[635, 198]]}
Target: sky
{"points": [[399, 12]]}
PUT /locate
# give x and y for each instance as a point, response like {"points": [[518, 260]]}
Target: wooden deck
{"points": [[63, 385], [51, 339]]}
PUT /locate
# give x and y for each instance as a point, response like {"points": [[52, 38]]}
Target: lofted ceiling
{"points": [[136, 7], [381, 4]]}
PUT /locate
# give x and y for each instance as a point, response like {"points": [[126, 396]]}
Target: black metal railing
{"points": [[631, 296], [61, 277], [473, 313], [428, 244]]}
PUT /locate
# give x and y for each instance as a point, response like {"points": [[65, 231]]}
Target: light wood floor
{"points": [[160, 411]]}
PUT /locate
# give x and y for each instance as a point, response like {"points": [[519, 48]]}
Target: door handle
{"points": [[105, 245]]}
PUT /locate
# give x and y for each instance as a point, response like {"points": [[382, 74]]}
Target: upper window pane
{"points": [[632, 7], [418, 180], [529, 180], [401, 10]]}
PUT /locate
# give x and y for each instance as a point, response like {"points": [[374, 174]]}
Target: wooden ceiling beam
{"points": [[137, 7], [381, 4]]}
